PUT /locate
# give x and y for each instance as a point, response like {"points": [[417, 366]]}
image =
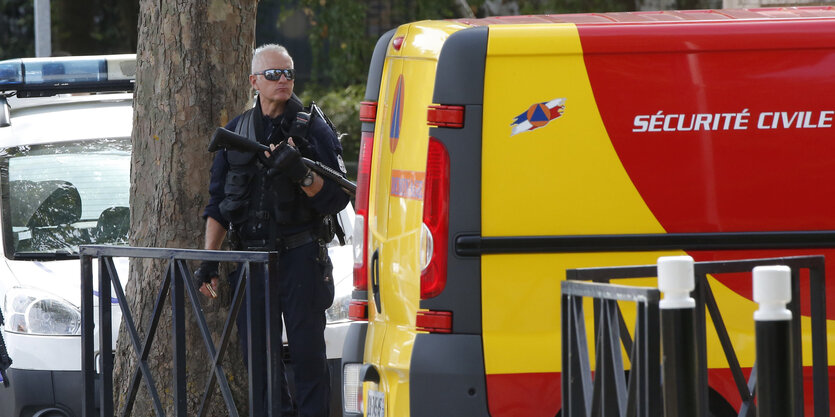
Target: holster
{"points": [[234, 238]]}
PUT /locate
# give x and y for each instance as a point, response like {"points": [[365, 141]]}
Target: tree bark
{"points": [[193, 59]]}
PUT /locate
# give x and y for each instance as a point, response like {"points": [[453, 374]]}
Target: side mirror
{"points": [[5, 112]]}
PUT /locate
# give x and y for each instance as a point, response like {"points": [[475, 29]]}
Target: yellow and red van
{"points": [[499, 152]]}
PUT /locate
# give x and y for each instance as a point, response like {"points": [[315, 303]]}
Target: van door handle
{"points": [[375, 279]]}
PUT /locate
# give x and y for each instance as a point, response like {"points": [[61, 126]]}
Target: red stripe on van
{"points": [[722, 126], [704, 176], [524, 395], [727, 36]]}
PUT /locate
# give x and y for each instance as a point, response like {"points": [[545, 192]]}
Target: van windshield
{"points": [[58, 196]]}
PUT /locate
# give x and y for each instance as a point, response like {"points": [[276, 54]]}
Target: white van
{"points": [[65, 182], [65, 127]]}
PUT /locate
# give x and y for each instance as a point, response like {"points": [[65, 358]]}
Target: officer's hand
{"points": [[206, 278], [209, 289], [288, 161]]}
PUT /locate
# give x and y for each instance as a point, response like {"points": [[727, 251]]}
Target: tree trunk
{"points": [[193, 59]]}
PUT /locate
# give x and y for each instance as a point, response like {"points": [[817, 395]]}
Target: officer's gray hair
{"points": [[273, 47]]}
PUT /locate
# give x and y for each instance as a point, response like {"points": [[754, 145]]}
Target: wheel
{"points": [[718, 406]]}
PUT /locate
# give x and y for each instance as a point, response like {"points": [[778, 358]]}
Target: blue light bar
{"points": [[42, 77]]}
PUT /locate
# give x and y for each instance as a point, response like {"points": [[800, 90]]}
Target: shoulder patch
{"points": [[341, 164]]}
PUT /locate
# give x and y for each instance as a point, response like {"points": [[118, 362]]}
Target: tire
{"points": [[718, 406]]}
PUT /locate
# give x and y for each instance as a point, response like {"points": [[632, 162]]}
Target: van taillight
{"points": [[368, 111], [361, 207], [436, 220], [445, 116], [397, 42], [434, 321]]}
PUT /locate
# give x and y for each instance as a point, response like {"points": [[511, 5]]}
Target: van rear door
{"points": [[396, 202]]}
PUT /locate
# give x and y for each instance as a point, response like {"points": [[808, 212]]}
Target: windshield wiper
{"points": [[57, 255]]}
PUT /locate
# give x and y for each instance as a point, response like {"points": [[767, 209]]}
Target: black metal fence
{"points": [[610, 394], [5, 360], [705, 302], [178, 285]]}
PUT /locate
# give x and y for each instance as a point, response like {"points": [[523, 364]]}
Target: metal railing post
{"points": [[256, 320], [680, 363], [609, 393], [105, 337], [775, 364], [177, 285], [274, 342], [5, 360], [88, 360], [178, 341]]}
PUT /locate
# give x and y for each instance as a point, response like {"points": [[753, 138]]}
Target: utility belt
{"points": [[283, 243]]}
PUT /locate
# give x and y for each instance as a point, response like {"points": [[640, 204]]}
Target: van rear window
{"points": [[56, 197]]}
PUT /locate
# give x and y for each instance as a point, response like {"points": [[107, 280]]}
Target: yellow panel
{"points": [[409, 155], [568, 170], [521, 315]]}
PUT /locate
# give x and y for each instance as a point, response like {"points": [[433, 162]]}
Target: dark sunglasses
{"points": [[275, 74]]}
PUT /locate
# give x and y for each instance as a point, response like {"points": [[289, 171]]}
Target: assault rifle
{"points": [[225, 138]]}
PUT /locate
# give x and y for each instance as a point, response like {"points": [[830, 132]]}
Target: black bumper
{"points": [[32, 391], [447, 376]]}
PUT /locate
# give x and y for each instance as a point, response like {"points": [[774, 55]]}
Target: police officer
{"points": [[271, 201]]}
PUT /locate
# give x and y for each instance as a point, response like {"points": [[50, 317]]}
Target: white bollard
{"points": [[775, 391], [772, 290], [676, 281], [680, 362]]}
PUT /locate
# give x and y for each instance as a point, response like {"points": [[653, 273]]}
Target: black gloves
{"points": [[287, 160], [205, 273]]}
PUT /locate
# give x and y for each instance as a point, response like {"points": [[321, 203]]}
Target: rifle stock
{"points": [[225, 138]]}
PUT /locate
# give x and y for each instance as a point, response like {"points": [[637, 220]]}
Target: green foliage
{"points": [[341, 49], [426, 9], [94, 27], [342, 44], [342, 41], [17, 23], [342, 106]]}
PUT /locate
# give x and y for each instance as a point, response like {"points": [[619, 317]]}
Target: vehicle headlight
{"points": [[338, 311], [33, 311]]}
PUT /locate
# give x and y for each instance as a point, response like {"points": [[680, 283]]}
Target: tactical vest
{"points": [[255, 202]]}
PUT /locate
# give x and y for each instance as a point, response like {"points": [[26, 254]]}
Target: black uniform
{"points": [[267, 211]]}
